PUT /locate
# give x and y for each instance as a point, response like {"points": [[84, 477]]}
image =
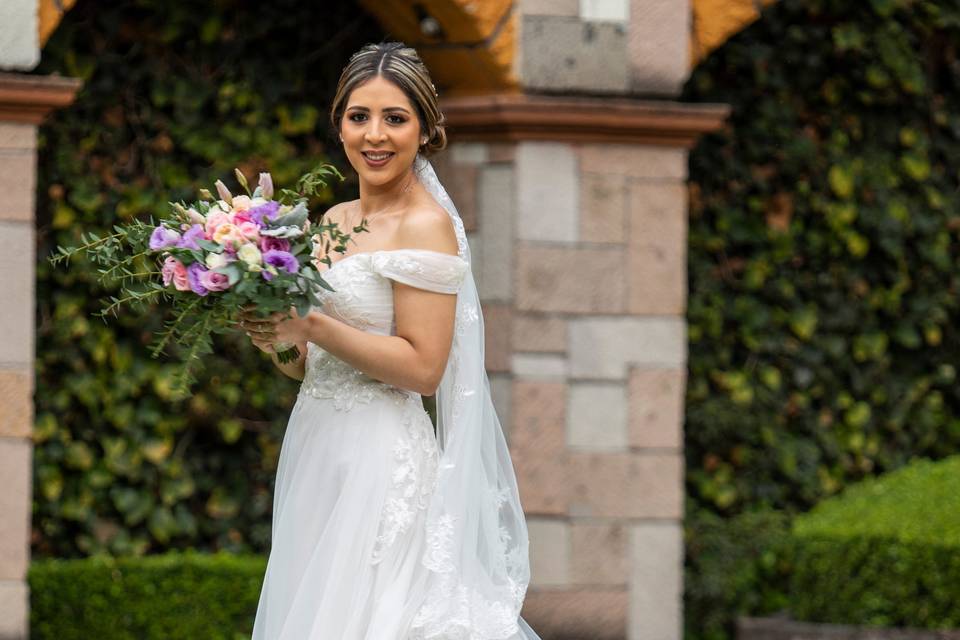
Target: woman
{"points": [[383, 529]]}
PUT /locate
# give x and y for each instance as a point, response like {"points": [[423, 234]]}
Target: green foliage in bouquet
{"points": [[176, 96], [824, 266]]}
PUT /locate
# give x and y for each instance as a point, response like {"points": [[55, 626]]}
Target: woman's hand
{"points": [[265, 331]]}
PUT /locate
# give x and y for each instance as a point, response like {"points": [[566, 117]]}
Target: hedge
{"points": [[180, 594], [885, 552]]}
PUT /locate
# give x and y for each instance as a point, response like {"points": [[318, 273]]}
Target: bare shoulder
{"points": [[337, 212], [427, 227]]}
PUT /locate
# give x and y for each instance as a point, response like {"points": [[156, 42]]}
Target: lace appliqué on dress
{"points": [[330, 377], [416, 454]]}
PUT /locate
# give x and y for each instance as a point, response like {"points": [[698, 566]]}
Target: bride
{"points": [[384, 528]]}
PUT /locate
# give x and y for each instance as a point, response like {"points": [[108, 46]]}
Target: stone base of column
{"points": [[14, 610]]}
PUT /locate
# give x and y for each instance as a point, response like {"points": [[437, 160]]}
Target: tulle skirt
{"points": [[349, 507]]}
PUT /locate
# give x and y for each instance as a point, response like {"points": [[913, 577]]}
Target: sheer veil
{"points": [[477, 545]]}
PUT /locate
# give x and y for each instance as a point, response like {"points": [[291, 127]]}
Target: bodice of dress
{"points": [[363, 298]]}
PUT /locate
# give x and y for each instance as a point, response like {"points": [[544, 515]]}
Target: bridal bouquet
{"points": [[211, 257]]}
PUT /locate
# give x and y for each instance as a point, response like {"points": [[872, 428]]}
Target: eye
{"points": [[354, 116], [399, 119]]}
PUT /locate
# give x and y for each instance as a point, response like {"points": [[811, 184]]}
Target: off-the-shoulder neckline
{"points": [[378, 251]]}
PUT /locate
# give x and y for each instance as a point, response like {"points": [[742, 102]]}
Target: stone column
{"points": [[577, 223], [24, 101]]}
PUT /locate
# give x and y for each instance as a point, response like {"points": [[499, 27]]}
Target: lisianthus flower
{"points": [[223, 192], [250, 254], [194, 272], [162, 237], [250, 230], [241, 203], [214, 281], [214, 260], [214, 220], [229, 236], [267, 210], [281, 260], [241, 216], [275, 244], [190, 237], [266, 185], [195, 216], [174, 271]]}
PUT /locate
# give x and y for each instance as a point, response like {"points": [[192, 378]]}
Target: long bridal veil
{"points": [[477, 545]]}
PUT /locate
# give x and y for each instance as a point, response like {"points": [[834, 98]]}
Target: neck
{"points": [[380, 197]]}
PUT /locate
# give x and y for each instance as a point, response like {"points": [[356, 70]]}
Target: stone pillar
{"points": [[24, 101], [577, 220]]}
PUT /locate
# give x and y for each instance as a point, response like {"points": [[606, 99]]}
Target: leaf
{"points": [[841, 181], [210, 245]]}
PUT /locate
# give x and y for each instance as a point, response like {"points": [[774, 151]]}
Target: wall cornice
{"points": [[580, 119], [29, 98]]}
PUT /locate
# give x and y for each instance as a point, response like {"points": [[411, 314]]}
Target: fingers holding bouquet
{"points": [[277, 328]]}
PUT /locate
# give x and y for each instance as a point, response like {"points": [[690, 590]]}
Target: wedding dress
{"points": [[382, 528]]}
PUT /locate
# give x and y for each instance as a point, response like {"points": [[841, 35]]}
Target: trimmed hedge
{"points": [[176, 595], [886, 552]]}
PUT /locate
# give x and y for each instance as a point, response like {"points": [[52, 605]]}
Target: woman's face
{"points": [[380, 131]]}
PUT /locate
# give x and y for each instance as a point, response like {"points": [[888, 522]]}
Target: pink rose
{"points": [[214, 281], [174, 271]]}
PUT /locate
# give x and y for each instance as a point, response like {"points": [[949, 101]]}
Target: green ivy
{"points": [[824, 269], [176, 95]]}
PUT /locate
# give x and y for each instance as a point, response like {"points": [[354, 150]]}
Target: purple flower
{"points": [[274, 244], [190, 236], [161, 238], [194, 274], [266, 210], [281, 260]]}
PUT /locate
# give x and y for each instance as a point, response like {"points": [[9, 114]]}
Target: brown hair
{"points": [[401, 65]]}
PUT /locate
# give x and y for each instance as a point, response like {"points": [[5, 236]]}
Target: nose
{"points": [[374, 133]]}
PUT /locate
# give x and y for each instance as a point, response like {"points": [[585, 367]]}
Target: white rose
{"points": [[250, 254], [215, 260]]}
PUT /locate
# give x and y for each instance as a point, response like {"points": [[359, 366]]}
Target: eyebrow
{"points": [[359, 108]]}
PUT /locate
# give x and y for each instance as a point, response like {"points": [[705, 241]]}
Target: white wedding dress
{"points": [[374, 536]]}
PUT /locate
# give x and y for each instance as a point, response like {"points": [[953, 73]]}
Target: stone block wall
{"points": [[17, 184], [580, 256], [604, 46]]}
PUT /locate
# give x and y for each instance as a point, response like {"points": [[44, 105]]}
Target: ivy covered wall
{"points": [[176, 95], [824, 271]]}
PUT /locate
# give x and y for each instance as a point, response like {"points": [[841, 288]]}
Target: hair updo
{"points": [[401, 65]]}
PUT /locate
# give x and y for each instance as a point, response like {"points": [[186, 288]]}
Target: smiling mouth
{"points": [[377, 156]]}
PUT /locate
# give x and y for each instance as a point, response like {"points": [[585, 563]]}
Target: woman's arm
{"points": [[416, 357]]}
